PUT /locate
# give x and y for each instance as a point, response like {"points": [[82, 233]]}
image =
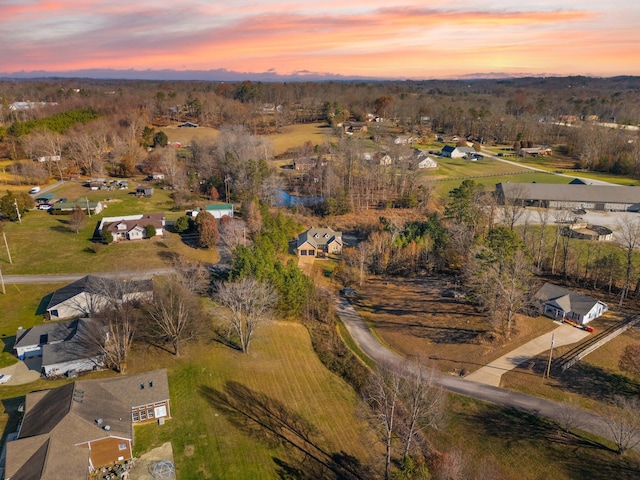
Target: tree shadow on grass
{"points": [[597, 383], [580, 457], [62, 229], [273, 423]]}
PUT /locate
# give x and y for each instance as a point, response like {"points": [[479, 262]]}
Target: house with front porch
{"points": [[562, 304]]}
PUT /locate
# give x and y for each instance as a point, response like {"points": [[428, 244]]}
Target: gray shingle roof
{"points": [[565, 299], [319, 236], [46, 333], [57, 420]]}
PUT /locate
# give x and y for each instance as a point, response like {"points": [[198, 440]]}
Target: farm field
{"points": [[294, 136], [291, 136], [186, 135], [444, 186]]}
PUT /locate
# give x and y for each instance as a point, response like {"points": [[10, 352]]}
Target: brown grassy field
{"points": [[186, 135], [296, 135], [412, 317], [290, 137]]}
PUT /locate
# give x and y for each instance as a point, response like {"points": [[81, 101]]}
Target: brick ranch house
{"points": [[69, 431]]}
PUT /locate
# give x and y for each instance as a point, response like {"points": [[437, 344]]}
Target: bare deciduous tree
{"points": [[630, 238], [114, 301], [624, 423], [174, 314], [383, 396], [192, 275], [250, 304], [233, 233], [424, 403]]}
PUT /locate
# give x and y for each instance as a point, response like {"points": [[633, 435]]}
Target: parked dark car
{"points": [[348, 292]]}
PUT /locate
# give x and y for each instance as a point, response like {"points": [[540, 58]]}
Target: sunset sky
{"points": [[372, 38]]}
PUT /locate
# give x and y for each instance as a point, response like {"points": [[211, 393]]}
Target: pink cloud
{"points": [[344, 38]]}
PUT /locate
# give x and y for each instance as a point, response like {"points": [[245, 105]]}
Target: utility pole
{"points": [[88, 209], [15, 202], [2, 282], [7, 245], [548, 372]]}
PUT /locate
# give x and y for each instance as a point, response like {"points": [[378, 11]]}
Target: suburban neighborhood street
{"points": [[527, 403]]}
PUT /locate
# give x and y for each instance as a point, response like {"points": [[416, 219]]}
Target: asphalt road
{"points": [[72, 277], [589, 181], [555, 411]]}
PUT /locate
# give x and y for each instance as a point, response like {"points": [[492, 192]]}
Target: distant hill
{"points": [[223, 75]]}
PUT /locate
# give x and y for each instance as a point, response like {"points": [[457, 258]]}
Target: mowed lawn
{"points": [[45, 243], [219, 396]]}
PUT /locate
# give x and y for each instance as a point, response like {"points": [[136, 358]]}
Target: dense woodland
{"points": [[99, 128]]}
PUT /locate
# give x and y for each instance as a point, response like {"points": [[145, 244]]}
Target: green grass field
{"points": [[443, 187], [44, 243], [220, 395]]}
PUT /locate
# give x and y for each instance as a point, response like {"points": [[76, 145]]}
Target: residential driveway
{"points": [[22, 373], [306, 265], [528, 403], [491, 374]]}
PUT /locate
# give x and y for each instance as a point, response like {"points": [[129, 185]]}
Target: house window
{"points": [[135, 416], [143, 415], [303, 253], [150, 413], [161, 411], [122, 446]]}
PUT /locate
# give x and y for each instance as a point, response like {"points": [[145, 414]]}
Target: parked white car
{"points": [[4, 378], [34, 190]]}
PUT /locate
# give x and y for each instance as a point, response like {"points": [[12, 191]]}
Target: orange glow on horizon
{"points": [[358, 39]]}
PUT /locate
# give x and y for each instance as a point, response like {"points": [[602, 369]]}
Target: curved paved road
{"points": [[591, 181], [527, 403]]}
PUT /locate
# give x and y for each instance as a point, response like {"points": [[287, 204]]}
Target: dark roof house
{"points": [[562, 304], [132, 227], [64, 346], [88, 295]]}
